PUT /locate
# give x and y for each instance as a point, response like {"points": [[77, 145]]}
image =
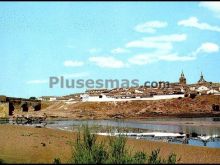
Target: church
{"points": [[201, 87]]}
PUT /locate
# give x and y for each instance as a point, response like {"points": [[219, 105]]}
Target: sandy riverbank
{"points": [[22, 144]]}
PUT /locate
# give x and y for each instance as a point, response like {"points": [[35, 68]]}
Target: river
{"points": [[208, 126]]}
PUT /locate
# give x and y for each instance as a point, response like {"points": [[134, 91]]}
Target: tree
{"points": [[33, 98]]}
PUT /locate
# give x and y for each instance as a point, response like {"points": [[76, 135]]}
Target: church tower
{"points": [[182, 79], [202, 80]]}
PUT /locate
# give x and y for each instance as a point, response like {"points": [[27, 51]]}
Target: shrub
{"points": [[154, 157], [192, 95], [1, 161], [86, 150], [139, 158], [117, 152], [57, 161], [171, 159]]}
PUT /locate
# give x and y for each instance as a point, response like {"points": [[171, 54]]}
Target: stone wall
{"points": [[4, 110]]}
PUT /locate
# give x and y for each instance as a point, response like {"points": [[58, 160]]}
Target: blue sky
{"points": [[149, 41]]}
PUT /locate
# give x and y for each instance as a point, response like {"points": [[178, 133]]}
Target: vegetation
{"points": [[33, 98], [215, 107], [186, 95], [1, 161], [57, 161], [192, 95], [87, 150]]}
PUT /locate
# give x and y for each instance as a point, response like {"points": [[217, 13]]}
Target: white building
{"points": [[213, 91], [202, 89], [47, 98], [192, 88], [137, 91], [103, 98]]}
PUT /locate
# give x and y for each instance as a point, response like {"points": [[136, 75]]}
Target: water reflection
{"points": [[192, 126], [208, 129]]}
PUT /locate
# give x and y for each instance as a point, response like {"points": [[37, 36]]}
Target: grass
{"points": [[87, 150]]}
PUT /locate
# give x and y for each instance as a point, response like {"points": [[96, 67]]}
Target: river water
{"points": [[208, 126], [200, 126]]}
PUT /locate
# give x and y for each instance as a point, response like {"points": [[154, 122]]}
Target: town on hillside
{"points": [[174, 90]]}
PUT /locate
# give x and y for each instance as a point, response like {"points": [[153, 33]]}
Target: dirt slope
{"points": [[184, 107]]}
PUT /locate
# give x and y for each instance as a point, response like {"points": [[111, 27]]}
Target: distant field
{"points": [[20, 144]]}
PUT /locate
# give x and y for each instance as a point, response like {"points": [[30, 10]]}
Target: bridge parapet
{"points": [[11, 105]]}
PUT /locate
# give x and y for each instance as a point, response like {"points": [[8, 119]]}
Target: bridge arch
{"points": [[24, 107], [11, 108], [37, 107]]}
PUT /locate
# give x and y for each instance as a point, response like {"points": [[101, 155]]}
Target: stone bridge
{"points": [[11, 105]]}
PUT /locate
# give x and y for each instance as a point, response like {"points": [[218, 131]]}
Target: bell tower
{"points": [[202, 80], [182, 79]]}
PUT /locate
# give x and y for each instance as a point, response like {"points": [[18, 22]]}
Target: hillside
{"points": [[184, 107]]}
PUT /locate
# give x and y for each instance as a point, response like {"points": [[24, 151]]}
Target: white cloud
{"points": [[76, 75], [207, 47], [94, 50], [37, 82], [150, 27], [163, 46], [120, 50], [194, 22], [167, 38], [149, 44], [148, 58], [107, 62], [142, 59], [212, 6], [175, 57], [70, 63], [163, 42]]}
